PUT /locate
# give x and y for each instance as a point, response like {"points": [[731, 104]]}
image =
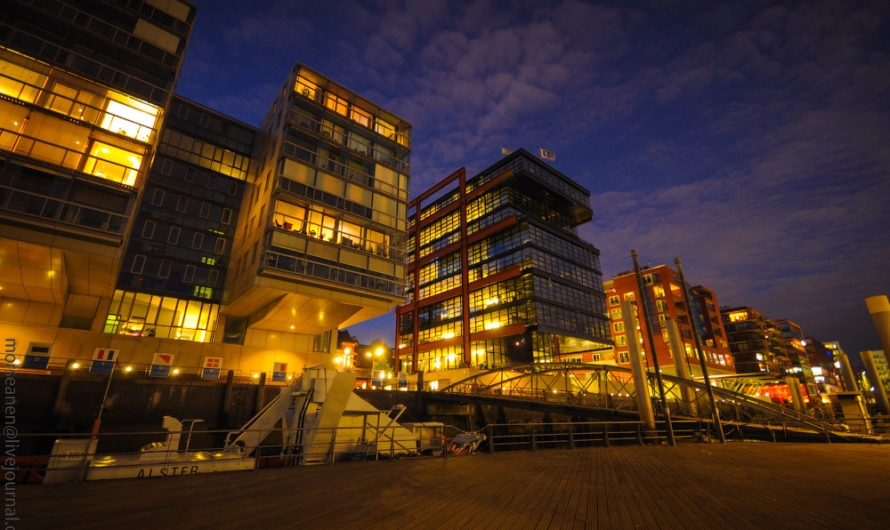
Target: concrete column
{"points": [[796, 395], [879, 307], [644, 403], [871, 371], [679, 350], [261, 392], [62, 392], [847, 373]]}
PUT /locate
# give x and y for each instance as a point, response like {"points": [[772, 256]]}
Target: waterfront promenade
{"points": [[694, 485]]}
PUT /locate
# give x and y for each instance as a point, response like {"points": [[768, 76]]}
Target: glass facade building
{"points": [[497, 273], [136, 219]]}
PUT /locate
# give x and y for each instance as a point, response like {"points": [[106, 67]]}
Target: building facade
{"points": [[665, 296], [754, 341], [137, 220], [497, 273]]}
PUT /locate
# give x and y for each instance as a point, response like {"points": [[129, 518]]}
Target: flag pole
{"points": [[715, 412], [645, 306], [98, 421]]}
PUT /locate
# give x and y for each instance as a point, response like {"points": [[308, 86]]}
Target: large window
{"points": [[146, 315], [333, 229]]}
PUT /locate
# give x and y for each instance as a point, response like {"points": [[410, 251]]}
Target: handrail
{"points": [[528, 370]]}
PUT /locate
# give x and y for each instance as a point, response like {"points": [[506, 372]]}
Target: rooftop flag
{"points": [[548, 155]]}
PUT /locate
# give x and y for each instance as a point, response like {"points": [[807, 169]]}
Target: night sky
{"points": [[752, 139]]}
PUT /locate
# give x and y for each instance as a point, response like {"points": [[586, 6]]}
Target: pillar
{"points": [[847, 373], [871, 372], [796, 395], [687, 394], [879, 308], [644, 403]]}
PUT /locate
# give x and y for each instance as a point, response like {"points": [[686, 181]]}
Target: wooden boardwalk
{"points": [[737, 485]]}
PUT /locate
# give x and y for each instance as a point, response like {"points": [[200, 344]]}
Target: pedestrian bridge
{"points": [[610, 390]]}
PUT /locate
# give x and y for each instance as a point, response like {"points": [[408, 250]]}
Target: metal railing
{"points": [[534, 436]]}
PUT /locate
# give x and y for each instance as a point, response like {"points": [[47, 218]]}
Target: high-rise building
{"points": [[497, 273], [136, 220], [666, 301], [794, 351], [753, 340], [825, 373]]}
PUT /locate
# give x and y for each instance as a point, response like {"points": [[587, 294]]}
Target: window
{"points": [[613, 300], [182, 204], [220, 246], [618, 326], [623, 357], [167, 167], [661, 305], [189, 175], [157, 198], [164, 269], [173, 236], [226, 216], [232, 190], [322, 342], [205, 210], [197, 240], [148, 229], [138, 264], [213, 277], [189, 275], [113, 163], [620, 340]]}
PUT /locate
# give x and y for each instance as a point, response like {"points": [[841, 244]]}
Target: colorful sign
{"points": [[161, 364], [279, 372], [37, 357], [212, 367], [103, 361]]}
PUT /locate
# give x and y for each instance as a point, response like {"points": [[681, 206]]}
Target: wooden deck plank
{"points": [[742, 485]]}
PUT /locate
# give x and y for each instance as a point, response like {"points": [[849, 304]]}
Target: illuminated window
{"points": [[145, 315], [335, 103], [618, 327], [113, 163], [360, 116], [19, 81], [621, 340], [129, 117], [306, 88]]}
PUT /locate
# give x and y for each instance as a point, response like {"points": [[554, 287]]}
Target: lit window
{"points": [[113, 163], [129, 117]]}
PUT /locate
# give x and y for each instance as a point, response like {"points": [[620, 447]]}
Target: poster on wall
{"points": [[103, 361], [212, 367], [279, 372], [161, 364]]}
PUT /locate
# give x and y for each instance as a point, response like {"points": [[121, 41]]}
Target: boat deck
{"points": [[694, 485]]}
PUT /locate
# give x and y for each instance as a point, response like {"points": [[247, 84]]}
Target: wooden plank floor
{"points": [[737, 485]]}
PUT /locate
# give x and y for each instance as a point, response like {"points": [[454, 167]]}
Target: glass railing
{"points": [[89, 162], [343, 170], [329, 235], [114, 116], [60, 211], [306, 267], [326, 129]]}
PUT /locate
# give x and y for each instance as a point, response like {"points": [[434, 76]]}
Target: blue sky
{"points": [[750, 138]]}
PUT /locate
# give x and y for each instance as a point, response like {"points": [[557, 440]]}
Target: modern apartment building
{"points": [[140, 221], [497, 273], [754, 341], [665, 293], [794, 351]]}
